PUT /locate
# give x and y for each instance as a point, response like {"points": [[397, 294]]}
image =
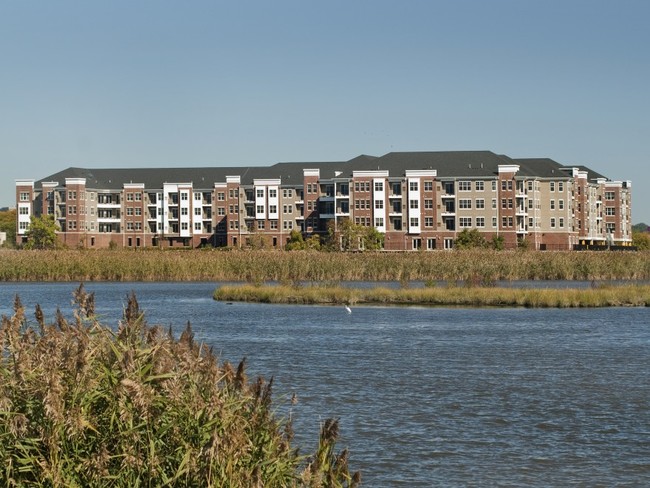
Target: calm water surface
{"points": [[430, 396]]}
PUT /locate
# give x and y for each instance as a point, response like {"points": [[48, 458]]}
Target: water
{"points": [[430, 396]]}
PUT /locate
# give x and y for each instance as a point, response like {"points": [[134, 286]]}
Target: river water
{"points": [[429, 396]]}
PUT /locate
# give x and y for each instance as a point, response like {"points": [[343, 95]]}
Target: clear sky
{"points": [[140, 83]]}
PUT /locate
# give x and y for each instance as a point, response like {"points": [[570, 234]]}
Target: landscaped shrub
{"points": [[83, 405]]}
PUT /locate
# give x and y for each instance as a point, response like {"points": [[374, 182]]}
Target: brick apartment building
{"points": [[418, 200]]}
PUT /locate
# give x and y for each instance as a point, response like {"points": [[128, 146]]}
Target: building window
{"points": [[24, 196], [480, 203], [494, 221], [379, 221], [428, 222], [273, 224], [610, 227], [479, 185], [428, 186], [379, 186], [185, 196], [561, 222], [221, 196], [197, 211], [197, 226], [480, 222], [530, 186], [415, 222], [610, 211], [413, 186], [465, 222], [464, 186], [184, 211], [428, 204], [552, 204], [260, 193], [609, 195], [560, 186], [259, 209], [24, 211], [221, 211], [379, 204], [552, 186], [494, 185], [552, 222], [273, 193], [465, 203], [414, 204], [184, 226], [494, 203], [560, 204], [273, 209], [260, 225]]}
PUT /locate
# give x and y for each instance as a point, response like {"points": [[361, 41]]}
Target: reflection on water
{"points": [[431, 396]]}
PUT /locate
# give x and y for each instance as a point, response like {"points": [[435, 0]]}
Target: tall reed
{"points": [[312, 266], [83, 405], [602, 296]]}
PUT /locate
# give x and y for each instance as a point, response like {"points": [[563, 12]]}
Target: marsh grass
{"points": [[83, 405], [479, 266], [600, 296]]}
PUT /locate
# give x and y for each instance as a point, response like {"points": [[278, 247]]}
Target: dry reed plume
{"points": [[82, 405]]}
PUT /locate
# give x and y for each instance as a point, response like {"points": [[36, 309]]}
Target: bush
{"points": [[81, 405]]}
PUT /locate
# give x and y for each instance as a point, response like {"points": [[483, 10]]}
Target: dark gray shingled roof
{"points": [[547, 168], [449, 164]]}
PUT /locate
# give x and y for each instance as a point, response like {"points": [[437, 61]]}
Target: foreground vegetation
{"points": [[599, 296], [82, 405], [483, 266]]}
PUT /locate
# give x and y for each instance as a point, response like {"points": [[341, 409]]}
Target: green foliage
{"points": [[348, 236], [41, 233], [641, 240], [296, 241], [498, 243], [8, 225], [81, 405], [470, 239]]}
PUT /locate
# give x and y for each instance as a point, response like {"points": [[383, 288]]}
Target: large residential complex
{"points": [[418, 200]]}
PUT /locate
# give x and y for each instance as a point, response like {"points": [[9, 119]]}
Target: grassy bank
{"points": [[476, 266], [605, 296], [83, 405]]}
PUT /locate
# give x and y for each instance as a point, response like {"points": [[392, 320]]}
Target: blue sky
{"points": [[210, 83]]}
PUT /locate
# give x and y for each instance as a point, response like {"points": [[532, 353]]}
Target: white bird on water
{"points": [[348, 309]]}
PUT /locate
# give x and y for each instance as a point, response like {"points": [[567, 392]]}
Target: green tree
{"points": [[42, 233], [641, 240], [295, 242], [470, 239], [349, 236], [8, 225], [498, 243]]}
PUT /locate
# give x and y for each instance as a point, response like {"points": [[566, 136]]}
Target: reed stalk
{"points": [[259, 266], [85, 405], [472, 296]]}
